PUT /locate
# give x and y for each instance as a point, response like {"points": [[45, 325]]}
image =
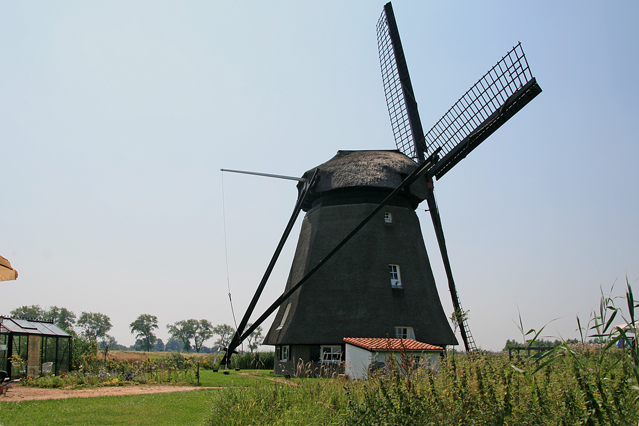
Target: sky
{"points": [[116, 118]]}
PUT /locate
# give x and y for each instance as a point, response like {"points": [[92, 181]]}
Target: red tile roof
{"points": [[377, 344]]}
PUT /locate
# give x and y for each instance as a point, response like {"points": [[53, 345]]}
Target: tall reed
{"points": [[595, 382]]}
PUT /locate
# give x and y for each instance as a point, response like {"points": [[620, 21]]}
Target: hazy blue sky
{"points": [[116, 117]]}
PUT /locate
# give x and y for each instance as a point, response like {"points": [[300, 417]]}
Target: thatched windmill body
{"points": [[379, 283], [361, 268]]}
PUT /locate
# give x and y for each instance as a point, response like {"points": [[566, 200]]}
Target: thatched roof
{"points": [[367, 169]]}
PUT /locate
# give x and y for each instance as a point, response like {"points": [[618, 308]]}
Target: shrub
{"points": [[82, 352], [319, 402], [46, 382], [248, 361], [589, 383], [253, 361]]}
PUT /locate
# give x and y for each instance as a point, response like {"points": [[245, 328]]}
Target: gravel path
{"points": [[23, 393]]}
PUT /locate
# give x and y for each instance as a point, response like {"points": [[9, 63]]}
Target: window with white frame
{"points": [[404, 332], [284, 352], [388, 217], [396, 281], [331, 354]]}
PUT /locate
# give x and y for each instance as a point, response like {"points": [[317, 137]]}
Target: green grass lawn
{"points": [[248, 378], [179, 408]]}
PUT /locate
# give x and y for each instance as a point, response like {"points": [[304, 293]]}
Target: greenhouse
{"points": [[34, 347]]}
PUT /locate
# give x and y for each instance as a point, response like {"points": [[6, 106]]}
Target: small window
{"points": [[395, 278], [388, 217], [283, 352], [288, 308], [404, 333], [331, 354]]}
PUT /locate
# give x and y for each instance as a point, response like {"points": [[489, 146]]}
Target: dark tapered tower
{"points": [[379, 284]]}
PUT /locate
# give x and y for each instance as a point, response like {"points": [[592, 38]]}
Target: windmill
{"points": [[361, 268]]}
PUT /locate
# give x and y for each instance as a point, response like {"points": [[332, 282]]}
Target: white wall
{"points": [[358, 360]]}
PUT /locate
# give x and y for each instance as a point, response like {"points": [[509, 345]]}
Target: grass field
{"points": [[179, 408], [590, 383], [245, 378], [590, 388]]}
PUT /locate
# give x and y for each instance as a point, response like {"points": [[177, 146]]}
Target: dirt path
{"points": [[22, 393]]}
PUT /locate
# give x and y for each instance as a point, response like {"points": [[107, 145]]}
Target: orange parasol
{"points": [[6, 271]]}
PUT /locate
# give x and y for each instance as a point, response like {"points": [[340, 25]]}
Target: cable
{"points": [[226, 255]]}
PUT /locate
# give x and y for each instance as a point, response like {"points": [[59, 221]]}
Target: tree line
{"points": [[186, 335]]}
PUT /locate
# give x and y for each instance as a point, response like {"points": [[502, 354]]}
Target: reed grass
{"points": [[592, 383]]}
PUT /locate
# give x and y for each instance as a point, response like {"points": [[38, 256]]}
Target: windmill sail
{"points": [[486, 106], [497, 96], [402, 106]]}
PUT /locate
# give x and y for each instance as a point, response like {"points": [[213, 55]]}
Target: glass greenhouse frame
{"points": [[42, 346]]}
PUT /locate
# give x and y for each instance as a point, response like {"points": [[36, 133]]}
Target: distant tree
{"points": [[62, 317], [254, 339], [225, 332], [546, 343], [119, 347], [107, 343], [511, 344], [203, 332], [27, 312], [191, 330], [535, 344], [137, 346], [159, 345], [184, 331], [143, 328], [95, 326], [174, 344]]}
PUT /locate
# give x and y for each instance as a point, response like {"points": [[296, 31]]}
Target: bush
{"points": [[585, 383], [484, 390], [320, 402], [82, 352], [253, 361], [248, 361], [212, 361], [45, 382], [175, 368]]}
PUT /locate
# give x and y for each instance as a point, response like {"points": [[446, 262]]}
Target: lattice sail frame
{"points": [[496, 97], [395, 101]]}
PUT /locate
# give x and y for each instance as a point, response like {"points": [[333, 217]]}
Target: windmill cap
{"points": [[384, 169]]}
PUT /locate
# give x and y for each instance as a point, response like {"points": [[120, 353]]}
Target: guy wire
{"points": [[226, 254]]}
